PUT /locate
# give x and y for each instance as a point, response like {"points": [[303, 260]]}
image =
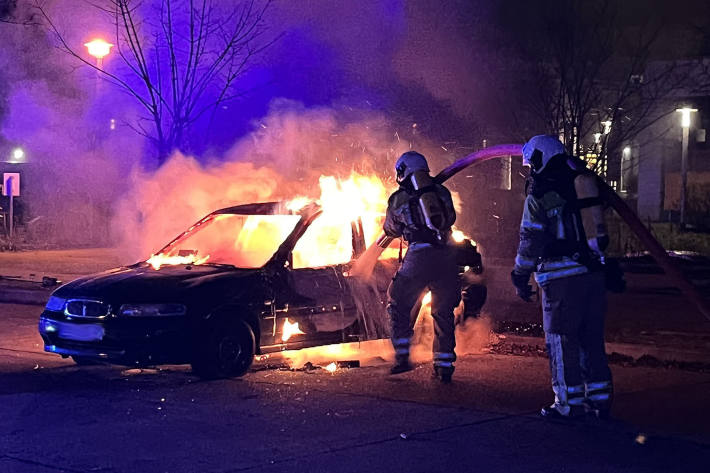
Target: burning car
{"points": [[243, 280]]}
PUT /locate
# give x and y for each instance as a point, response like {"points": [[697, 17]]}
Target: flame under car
{"points": [[243, 280]]}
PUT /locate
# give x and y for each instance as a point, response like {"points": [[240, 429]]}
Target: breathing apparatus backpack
{"points": [[576, 215], [427, 204]]}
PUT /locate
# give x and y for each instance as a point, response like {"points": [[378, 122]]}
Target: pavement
{"points": [[649, 320], [59, 417]]}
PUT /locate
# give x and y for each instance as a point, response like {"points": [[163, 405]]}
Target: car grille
{"points": [[86, 308]]}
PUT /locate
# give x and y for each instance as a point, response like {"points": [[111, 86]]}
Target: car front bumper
{"points": [[137, 341]]}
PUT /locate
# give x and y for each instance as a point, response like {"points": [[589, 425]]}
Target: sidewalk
{"points": [[22, 272], [647, 320]]}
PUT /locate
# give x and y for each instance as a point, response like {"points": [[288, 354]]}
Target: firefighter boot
{"points": [[598, 410], [444, 374], [401, 365], [558, 412]]}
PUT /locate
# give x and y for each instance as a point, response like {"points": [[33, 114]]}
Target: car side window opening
{"points": [[324, 243]]}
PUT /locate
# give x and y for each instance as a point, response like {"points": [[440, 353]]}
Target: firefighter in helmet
{"points": [[422, 212], [562, 240]]}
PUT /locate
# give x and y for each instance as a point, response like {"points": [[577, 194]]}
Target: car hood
{"points": [[141, 283]]}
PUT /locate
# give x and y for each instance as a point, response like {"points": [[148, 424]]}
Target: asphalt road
{"points": [[56, 416]]}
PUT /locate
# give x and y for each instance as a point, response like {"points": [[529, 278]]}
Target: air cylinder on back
{"points": [[429, 202]]}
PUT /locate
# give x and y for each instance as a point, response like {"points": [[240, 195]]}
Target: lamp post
{"points": [[685, 125], [99, 49]]}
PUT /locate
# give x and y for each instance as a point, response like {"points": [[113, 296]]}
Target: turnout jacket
{"points": [[549, 241], [404, 216]]}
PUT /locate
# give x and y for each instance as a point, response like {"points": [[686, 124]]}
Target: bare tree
{"points": [[591, 80], [182, 59], [9, 14], [6, 9]]}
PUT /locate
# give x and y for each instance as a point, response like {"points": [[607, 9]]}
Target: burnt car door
{"points": [[314, 306]]}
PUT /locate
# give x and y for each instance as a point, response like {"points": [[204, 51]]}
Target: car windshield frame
{"points": [[307, 213]]}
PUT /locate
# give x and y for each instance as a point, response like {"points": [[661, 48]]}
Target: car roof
{"points": [[267, 208]]}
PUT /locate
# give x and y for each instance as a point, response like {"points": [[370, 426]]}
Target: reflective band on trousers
{"points": [[400, 341], [443, 364], [599, 385], [444, 356], [575, 399], [575, 395], [402, 351], [599, 397]]}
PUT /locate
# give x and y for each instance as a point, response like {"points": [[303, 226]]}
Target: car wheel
{"points": [[84, 361], [226, 350]]}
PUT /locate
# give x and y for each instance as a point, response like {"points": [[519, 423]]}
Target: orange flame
{"points": [[427, 298], [289, 330], [156, 261], [360, 198], [358, 202], [331, 367]]}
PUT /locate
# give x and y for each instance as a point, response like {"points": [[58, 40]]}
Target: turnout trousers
{"points": [[573, 319], [433, 267]]}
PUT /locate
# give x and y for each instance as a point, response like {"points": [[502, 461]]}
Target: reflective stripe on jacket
{"points": [[562, 268]]}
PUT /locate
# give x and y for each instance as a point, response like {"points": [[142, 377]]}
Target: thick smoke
{"points": [[282, 158]]}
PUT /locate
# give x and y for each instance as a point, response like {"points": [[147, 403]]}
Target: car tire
{"points": [[84, 361], [225, 350]]}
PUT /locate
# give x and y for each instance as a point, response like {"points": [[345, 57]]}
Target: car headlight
{"points": [[152, 310], [56, 304]]}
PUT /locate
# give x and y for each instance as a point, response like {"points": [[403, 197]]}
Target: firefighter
{"points": [[562, 240], [422, 212]]}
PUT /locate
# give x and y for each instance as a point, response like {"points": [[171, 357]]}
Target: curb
{"points": [[632, 350], [23, 295]]}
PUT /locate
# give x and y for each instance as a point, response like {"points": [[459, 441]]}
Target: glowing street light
{"points": [[99, 49], [607, 126], [18, 155], [685, 116], [685, 124]]}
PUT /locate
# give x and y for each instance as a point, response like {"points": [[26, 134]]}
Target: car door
{"points": [[314, 293]]}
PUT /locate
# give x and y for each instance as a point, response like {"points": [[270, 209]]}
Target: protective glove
{"points": [[520, 281]]}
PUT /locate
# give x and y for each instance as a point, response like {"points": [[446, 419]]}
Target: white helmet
{"points": [[408, 163], [540, 149]]}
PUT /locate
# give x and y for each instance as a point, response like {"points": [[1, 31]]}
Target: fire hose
{"points": [[365, 264]]}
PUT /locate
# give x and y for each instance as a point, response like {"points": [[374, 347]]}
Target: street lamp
{"points": [[607, 126], [18, 155], [625, 160], [99, 49], [685, 124]]}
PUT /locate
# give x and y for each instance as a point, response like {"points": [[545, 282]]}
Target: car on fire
{"points": [[242, 281]]}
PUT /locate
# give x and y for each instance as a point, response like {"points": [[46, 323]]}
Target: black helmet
{"points": [[408, 163]]}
